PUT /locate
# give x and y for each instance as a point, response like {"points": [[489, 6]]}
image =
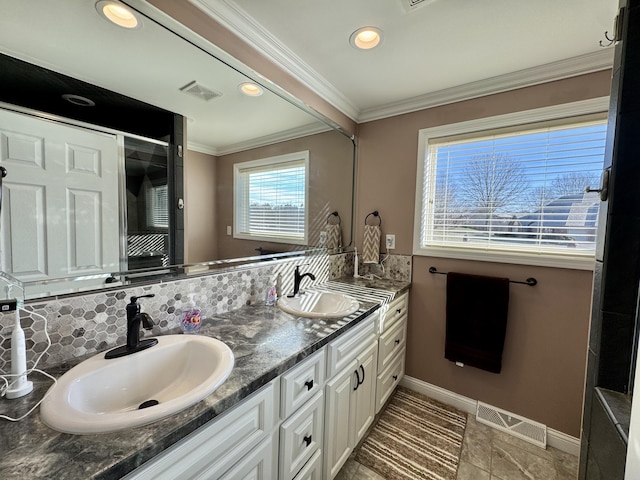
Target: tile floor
{"points": [[488, 454]]}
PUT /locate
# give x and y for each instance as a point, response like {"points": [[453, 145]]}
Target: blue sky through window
{"points": [[282, 187], [526, 188]]}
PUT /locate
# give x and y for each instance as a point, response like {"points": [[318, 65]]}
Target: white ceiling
{"points": [[150, 64], [432, 48], [442, 51]]}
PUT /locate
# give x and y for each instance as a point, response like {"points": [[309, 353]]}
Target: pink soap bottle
{"points": [[191, 317]]}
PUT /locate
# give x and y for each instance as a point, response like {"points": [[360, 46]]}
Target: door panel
{"points": [[69, 176]]}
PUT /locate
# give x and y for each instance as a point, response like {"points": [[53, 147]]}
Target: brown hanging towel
{"points": [[477, 308]]}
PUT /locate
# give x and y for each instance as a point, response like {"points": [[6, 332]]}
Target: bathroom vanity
{"points": [[301, 396]]}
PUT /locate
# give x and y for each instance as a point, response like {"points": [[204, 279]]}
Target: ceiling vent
{"points": [[412, 5], [200, 91]]}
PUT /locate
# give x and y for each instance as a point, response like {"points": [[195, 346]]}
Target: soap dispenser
{"points": [[272, 293], [191, 317]]}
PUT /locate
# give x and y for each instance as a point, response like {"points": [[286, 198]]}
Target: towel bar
{"points": [[529, 281]]}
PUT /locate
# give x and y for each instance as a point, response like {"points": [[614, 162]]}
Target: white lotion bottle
{"points": [[355, 264], [20, 386]]}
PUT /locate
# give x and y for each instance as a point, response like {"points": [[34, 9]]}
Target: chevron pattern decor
{"points": [[371, 244]]}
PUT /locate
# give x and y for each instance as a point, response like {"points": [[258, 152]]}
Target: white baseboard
{"points": [[555, 438]]}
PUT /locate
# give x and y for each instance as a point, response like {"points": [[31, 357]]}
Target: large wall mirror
{"points": [[258, 176]]}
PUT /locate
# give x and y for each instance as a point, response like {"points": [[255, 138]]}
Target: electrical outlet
{"points": [[228, 229], [8, 305], [391, 241], [323, 238]]}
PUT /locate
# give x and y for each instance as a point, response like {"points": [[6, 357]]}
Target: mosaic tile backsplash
{"points": [[85, 324], [394, 267]]}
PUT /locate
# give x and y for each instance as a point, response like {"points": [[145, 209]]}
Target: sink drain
{"points": [[148, 403]]}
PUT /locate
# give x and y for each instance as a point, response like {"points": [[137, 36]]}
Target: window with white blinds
{"points": [[513, 190], [270, 199], [158, 207]]}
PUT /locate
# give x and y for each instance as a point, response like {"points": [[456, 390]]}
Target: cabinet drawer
{"points": [[301, 383], [259, 463], [300, 437], [346, 347], [390, 343], [313, 469], [389, 379], [395, 311], [214, 448]]}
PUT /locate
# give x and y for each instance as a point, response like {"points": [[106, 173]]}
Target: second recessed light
{"points": [[118, 13], [250, 89], [366, 38]]}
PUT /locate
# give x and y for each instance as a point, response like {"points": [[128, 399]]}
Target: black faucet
{"points": [[134, 318], [297, 278]]}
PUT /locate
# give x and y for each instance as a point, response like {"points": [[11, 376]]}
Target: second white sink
{"points": [[319, 305], [100, 395]]}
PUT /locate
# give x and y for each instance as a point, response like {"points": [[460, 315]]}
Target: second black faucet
{"points": [[297, 278]]}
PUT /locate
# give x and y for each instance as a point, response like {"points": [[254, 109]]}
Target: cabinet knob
{"points": [[397, 342], [395, 377], [399, 310], [309, 384], [307, 440]]}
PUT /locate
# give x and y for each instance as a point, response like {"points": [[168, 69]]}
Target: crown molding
{"points": [[240, 23], [243, 25], [278, 137], [201, 148], [588, 63]]}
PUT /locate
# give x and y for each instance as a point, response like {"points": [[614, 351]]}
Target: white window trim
{"points": [[585, 107], [289, 157]]}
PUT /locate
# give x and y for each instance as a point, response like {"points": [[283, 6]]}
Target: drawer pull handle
{"points": [[309, 384], [397, 342], [395, 377], [358, 382], [307, 440], [362, 368], [399, 310]]}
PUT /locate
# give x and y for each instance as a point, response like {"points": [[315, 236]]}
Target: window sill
{"points": [[274, 239], [518, 258]]}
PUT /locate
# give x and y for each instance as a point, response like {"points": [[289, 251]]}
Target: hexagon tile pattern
{"points": [[86, 324]]}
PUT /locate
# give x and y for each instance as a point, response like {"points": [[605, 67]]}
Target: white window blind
{"points": [[158, 206], [516, 190], [271, 199]]}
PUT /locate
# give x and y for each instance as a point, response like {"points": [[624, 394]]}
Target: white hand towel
{"points": [[371, 244], [334, 236]]}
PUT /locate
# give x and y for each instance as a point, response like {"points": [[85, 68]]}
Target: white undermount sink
{"points": [[319, 305], [100, 395]]}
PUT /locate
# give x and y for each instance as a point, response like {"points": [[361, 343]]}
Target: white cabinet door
{"points": [[220, 444], [337, 445], [301, 383], [388, 380], [313, 469], [260, 464], [364, 403], [301, 435], [391, 342], [67, 179]]}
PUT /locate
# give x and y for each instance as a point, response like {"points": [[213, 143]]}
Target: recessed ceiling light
{"points": [[78, 100], [118, 13], [251, 89], [366, 38]]}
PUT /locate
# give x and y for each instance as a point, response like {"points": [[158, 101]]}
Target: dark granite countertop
{"points": [[265, 341], [397, 286]]}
